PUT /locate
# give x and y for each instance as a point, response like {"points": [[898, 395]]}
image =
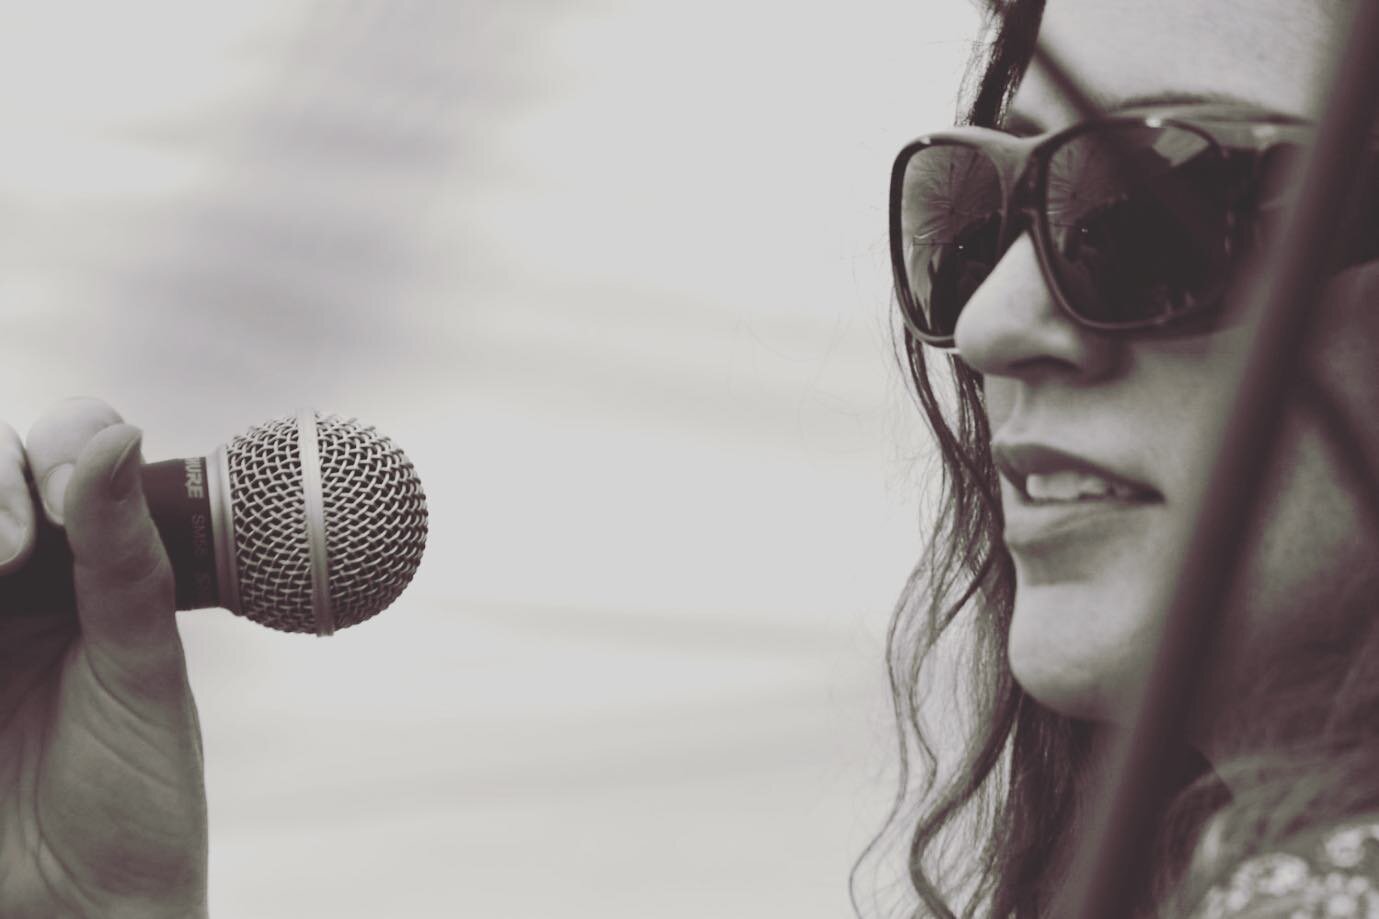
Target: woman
{"points": [[1091, 365]]}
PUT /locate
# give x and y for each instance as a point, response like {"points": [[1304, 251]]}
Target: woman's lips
{"points": [[1032, 524], [1054, 502], [1020, 461], [1077, 542]]}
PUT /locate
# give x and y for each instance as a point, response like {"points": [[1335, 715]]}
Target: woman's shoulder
{"points": [[1333, 871]]}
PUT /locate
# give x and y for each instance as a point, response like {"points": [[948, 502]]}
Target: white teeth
{"points": [[1070, 486]]}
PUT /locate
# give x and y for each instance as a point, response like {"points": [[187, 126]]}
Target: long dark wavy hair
{"points": [[991, 832]]}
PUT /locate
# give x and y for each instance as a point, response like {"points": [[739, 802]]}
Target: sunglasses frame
{"points": [[1022, 165]]}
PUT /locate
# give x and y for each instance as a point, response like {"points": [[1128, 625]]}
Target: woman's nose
{"points": [[1012, 327]]}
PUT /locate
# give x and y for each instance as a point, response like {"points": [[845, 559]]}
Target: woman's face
{"points": [[1090, 573]]}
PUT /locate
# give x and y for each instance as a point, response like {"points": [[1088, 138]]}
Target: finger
{"points": [[54, 442], [123, 579], [16, 504]]}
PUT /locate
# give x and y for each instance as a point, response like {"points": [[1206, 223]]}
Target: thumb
{"points": [[124, 583]]}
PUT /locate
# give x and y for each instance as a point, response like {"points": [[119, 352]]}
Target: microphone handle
{"points": [[179, 498]]}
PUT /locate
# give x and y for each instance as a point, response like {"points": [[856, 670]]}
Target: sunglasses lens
{"points": [[949, 232], [1140, 222]]}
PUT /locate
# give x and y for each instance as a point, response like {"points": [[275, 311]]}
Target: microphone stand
{"points": [[1108, 865]]}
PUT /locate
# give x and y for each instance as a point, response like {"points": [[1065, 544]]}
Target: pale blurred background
{"points": [[613, 273]]}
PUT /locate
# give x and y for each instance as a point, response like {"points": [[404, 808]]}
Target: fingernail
{"points": [[55, 490], [125, 473]]}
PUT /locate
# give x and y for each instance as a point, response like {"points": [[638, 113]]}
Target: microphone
{"points": [[306, 523]]}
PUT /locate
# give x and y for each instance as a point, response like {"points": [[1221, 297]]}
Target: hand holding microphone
{"points": [[102, 801], [311, 524]]}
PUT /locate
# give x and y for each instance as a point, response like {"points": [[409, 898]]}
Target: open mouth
{"points": [[1046, 475], [1068, 486]]}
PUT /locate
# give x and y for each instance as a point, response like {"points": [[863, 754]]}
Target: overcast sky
{"points": [[613, 274]]}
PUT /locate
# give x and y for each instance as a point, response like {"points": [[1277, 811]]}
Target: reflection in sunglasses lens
{"points": [[1140, 221], [950, 226]]}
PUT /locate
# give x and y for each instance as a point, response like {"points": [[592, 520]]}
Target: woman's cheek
{"points": [[1309, 545], [1316, 535]]}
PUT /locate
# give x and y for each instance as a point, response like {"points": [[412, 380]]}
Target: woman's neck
{"points": [[1175, 838]]}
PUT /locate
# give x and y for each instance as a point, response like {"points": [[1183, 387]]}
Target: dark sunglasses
{"points": [[1138, 220]]}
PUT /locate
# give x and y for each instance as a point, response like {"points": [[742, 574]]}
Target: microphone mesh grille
{"points": [[375, 522]]}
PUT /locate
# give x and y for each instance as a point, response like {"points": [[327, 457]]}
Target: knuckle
{"points": [[145, 568], [59, 436], [85, 406], [13, 462], [137, 585], [16, 501], [138, 567], [11, 446]]}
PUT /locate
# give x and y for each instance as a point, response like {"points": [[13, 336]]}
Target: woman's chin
{"points": [[1076, 648]]}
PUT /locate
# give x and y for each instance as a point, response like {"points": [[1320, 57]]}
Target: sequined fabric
{"points": [[1337, 876]]}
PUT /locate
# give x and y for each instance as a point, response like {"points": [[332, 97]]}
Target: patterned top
{"points": [[1336, 876]]}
